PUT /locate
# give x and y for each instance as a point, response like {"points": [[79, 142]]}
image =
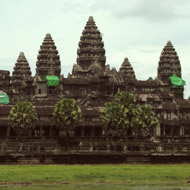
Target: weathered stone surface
{"points": [[126, 70], [48, 62], [92, 83], [169, 63], [91, 53], [21, 79]]}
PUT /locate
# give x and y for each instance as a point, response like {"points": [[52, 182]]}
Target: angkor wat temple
{"points": [[92, 83]]}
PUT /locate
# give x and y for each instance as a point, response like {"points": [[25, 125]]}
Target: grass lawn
{"points": [[132, 174]]}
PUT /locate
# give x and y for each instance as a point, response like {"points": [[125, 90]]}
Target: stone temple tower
{"points": [[91, 53], [48, 69], [21, 73], [48, 60], [126, 70], [169, 63]]}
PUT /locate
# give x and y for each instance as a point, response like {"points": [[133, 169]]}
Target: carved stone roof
{"points": [[95, 68], [94, 79], [183, 104], [75, 81], [48, 60], [91, 47], [113, 71], [126, 70], [169, 63], [77, 68], [21, 71], [146, 83]]}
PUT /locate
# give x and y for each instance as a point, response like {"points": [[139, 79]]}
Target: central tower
{"points": [[91, 53]]}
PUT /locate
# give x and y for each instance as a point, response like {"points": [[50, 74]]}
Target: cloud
{"points": [[149, 50], [76, 6], [154, 10], [7, 63], [150, 10]]}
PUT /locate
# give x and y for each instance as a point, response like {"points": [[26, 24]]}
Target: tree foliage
{"points": [[145, 122], [23, 116], [126, 99], [66, 113], [124, 113], [114, 119]]}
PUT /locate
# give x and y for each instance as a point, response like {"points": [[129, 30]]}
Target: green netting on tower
{"points": [[177, 82], [4, 98], [52, 80]]}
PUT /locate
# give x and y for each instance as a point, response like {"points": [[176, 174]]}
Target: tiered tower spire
{"points": [[21, 72], [48, 62], [91, 50], [169, 63], [126, 70]]}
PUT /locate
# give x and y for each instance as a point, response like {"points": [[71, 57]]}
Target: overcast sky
{"points": [[137, 29]]}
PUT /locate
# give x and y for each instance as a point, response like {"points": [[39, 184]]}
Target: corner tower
{"points": [[48, 60], [21, 72], [169, 63], [90, 52]]}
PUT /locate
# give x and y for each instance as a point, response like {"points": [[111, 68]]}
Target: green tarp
{"points": [[52, 80], [177, 82], [4, 98]]}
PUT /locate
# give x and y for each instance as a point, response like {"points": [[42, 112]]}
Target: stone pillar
{"points": [[91, 149], [164, 130], [181, 131], [80, 145], [108, 148], [125, 148], [160, 148], [158, 131]]}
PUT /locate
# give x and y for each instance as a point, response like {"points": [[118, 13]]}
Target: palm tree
{"points": [[23, 117], [114, 120], [66, 113], [145, 122], [123, 113]]}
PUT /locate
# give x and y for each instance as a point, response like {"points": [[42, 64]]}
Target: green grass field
{"points": [[95, 174]]}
